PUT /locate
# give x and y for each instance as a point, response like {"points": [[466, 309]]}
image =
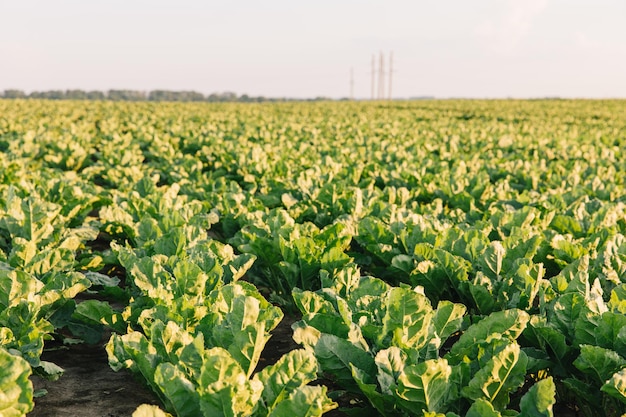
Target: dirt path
{"points": [[89, 387]]}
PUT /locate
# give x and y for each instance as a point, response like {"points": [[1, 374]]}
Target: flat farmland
{"points": [[432, 258]]}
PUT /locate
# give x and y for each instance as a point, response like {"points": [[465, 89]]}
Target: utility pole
{"points": [[390, 72], [352, 83], [373, 74], [381, 77]]}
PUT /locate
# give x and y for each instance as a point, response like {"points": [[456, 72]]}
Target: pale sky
{"points": [[280, 48]]}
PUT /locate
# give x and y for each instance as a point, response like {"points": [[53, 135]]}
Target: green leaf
{"points": [[335, 356], [617, 302], [190, 279], [424, 386], [133, 351], [552, 341], [482, 295], [448, 319], [384, 403], [16, 285], [504, 373], [100, 312], [491, 260], [608, 330], [88, 331], [599, 362], [238, 267], [566, 311], [224, 388], [293, 370], [178, 389], [50, 370], [482, 408], [27, 330], [16, 390], [433, 414], [507, 325], [305, 401], [245, 320], [391, 363], [97, 278], [616, 386], [172, 243], [408, 317], [539, 399]]}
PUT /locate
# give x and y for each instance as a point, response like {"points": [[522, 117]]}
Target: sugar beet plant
{"points": [[453, 258]]}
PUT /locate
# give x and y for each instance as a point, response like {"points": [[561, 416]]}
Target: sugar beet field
{"points": [[426, 258]]}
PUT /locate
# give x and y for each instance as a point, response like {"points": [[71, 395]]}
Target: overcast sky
{"points": [[276, 48]]}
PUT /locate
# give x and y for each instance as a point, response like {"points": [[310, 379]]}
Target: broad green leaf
{"points": [[608, 331], [491, 260], [455, 268], [585, 328], [566, 311], [448, 319], [617, 302], [245, 320], [539, 399], [97, 278], [305, 401], [336, 355], [190, 279], [407, 319], [342, 281], [551, 341], [172, 243], [507, 325], [238, 267], [482, 408], [16, 398], [133, 351], [504, 373], [384, 403], [584, 391], [51, 370], [391, 363], [27, 330], [482, 295], [224, 388], [599, 362], [178, 389], [293, 370], [616, 386], [369, 288], [16, 285], [424, 386], [311, 303], [101, 312], [433, 414]]}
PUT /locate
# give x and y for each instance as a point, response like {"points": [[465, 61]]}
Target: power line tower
{"points": [[381, 77], [373, 74], [390, 72]]}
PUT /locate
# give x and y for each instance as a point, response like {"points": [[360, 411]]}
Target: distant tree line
{"points": [[134, 95]]}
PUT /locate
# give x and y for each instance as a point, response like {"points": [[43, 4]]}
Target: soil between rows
{"points": [[89, 387]]}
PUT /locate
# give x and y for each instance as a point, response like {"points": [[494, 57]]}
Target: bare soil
{"points": [[89, 387]]}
